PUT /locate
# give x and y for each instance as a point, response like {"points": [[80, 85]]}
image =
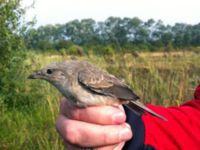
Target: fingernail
{"points": [[120, 146], [125, 134], [127, 125], [119, 118]]}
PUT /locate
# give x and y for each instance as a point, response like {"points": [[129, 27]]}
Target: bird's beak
{"points": [[35, 75]]}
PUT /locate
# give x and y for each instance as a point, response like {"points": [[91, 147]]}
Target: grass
{"points": [[157, 79]]}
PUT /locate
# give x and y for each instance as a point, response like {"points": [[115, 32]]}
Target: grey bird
{"points": [[83, 84]]}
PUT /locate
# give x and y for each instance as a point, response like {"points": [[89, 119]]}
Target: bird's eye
{"points": [[49, 71]]}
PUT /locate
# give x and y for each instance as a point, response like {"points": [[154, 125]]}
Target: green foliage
{"points": [[26, 123], [121, 33], [10, 14], [107, 50], [11, 60], [20, 111], [63, 44], [28, 118], [73, 50]]}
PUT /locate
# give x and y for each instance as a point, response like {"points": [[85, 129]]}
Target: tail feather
{"points": [[140, 108]]}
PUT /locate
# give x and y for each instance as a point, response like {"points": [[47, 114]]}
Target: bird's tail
{"points": [[138, 107]]}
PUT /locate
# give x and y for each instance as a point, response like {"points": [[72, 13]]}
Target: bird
{"points": [[84, 85]]}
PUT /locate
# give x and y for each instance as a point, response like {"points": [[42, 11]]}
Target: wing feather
{"points": [[103, 83]]}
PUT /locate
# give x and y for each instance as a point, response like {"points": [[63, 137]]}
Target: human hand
{"points": [[102, 128]]}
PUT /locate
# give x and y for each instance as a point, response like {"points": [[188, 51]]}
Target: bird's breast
{"points": [[88, 98]]}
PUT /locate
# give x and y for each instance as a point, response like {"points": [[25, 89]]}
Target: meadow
{"points": [[158, 78]]}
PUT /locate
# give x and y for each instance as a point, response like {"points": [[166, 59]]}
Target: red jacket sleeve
{"points": [[180, 132]]}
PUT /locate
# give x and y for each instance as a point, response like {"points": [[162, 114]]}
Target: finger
{"points": [[111, 147], [72, 147], [92, 135], [96, 114]]}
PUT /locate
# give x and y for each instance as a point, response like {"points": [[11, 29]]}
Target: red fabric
{"points": [[180, 132]]}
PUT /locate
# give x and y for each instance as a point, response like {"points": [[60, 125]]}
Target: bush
{"points": [[74, 50], [12, 57], [108, 50], [63, 44]]}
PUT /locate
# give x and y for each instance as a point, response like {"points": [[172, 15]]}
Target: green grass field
{"points": [[162, 79]]}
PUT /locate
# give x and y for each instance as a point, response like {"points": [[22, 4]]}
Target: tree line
{"points": [[119, 33]]}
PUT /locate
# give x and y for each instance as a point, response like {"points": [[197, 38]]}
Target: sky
{"points": [[62, 11]]}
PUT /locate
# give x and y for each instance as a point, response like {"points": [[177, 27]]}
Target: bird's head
{"points": [[49, 73], [60, 74], [58, 71]]}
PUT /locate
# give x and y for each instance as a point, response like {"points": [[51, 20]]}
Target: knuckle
{"points": [[76, 114]]}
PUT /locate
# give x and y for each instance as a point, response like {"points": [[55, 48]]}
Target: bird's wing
{"points": [[101, 82]]}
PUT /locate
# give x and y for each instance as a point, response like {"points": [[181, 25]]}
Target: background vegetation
{"points": [[116, 34], [28, 109]]}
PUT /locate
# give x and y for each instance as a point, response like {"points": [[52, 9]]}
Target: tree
{"points": [[195, 34], [179, 29], [11, 44], [115, 32], [73, 31], [10, 16]]}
